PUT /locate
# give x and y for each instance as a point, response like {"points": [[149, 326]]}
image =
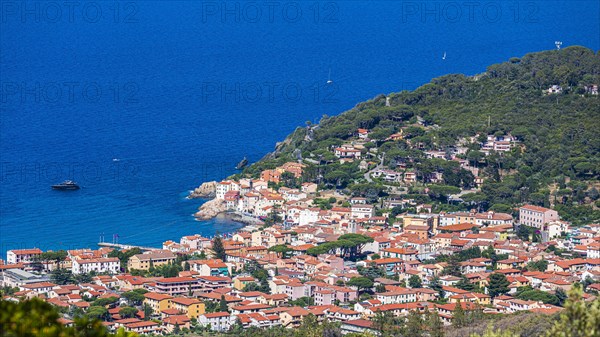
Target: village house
{"points": [[554, 89], [218, 321], [25, 256], [214, 267], [110, 265], [362, 211], [39, 287], [400, 253], [195, 242], [191, 307], [347, 151], [536, 216], [363, 134], [158, 302], [170, 323], [175, 286], [143, 327], [502, 143], [152, 258]]}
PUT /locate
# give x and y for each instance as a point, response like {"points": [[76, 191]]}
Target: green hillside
{"points": [[556, 162]]}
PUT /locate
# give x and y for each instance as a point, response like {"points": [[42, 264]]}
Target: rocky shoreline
{"points": [[211, 209], [244, 219], [207, 190], [217, 207]]}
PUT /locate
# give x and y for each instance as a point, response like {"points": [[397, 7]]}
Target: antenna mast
{"points": [[558, 44]]}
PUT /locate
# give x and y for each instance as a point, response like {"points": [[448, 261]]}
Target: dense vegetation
{"points": [[578, 319], [35, 318], [557, 165]]}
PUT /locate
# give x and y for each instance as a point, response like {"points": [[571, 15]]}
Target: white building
{"points": [[593, 250], [22, 255], [555, 228], [195, 241], [308, 216], [555, 89], [101, 265], [498, 143], [362, 211], [218, 321], [222, 188]]}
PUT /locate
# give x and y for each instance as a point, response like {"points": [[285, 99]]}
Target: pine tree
{"points": [[437, 286], [147, 312], [498, 285], [264, 286], [218, 251], [453, 267], [414, 281], [414, 325], [223, 305], [435, 326], [464, 284], [458, 315], [561, 295]]}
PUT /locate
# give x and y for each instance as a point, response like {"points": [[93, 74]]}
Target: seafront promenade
{"points": [[124, 246]]}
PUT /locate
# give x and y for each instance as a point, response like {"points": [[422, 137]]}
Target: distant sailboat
{"points": [[329, 81], [444, 57], [116, 159]]}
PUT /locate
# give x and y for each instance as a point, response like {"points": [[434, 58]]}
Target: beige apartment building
{"points": [[157, 257]]}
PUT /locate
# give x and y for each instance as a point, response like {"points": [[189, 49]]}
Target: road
{"points": [[368, 174]]}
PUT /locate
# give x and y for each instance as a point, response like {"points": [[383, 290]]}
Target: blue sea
{"points": [[141, 101]]}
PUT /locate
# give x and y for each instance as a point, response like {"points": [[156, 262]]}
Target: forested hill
{"points": [[557, 159]]}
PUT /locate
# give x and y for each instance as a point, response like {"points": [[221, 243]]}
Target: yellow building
{"points": [[481, 299], [510, 264], [191, 307], [158, 302], [241, 281], [431, 222], [154, 258]]}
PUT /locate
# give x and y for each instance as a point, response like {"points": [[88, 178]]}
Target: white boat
{"points": [[444, 57], [329, 81]]}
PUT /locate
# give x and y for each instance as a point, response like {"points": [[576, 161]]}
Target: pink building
{"points": [[294, 290], [177, 285], [324, 297], [536, 216]]}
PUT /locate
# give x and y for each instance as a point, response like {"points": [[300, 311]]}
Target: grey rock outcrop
{"points": [[206, 190]]}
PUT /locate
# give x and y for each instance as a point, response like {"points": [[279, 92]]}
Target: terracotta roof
{"points": [[185, 301], [363, 323], [458, 227], [216, 314], [535, 208], [26, 251], [142, 324], [176, 319]]}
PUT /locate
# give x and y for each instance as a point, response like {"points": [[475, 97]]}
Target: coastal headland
{"points": [[217, 207]]}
